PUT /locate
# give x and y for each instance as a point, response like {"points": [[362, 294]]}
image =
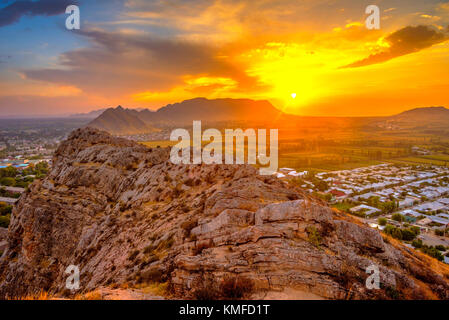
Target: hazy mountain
{"points": [[430, 114], [428, 118], [120, 121], [214, 110], [95, 113], [128, 121], [92, 114]]}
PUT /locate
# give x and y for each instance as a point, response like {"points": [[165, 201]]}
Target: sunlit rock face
{"points": [[124, 213]]}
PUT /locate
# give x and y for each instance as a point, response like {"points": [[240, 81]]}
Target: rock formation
{"points": [[3, 243], [124, 213], [120, 121]]}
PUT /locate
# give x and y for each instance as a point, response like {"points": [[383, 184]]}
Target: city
{"points": [[388, 197]]}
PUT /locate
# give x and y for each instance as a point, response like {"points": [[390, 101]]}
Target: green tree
{"points": [[374, 202], [417, 243], [397, 217], [389, 206], [5, 209], [397, 234], [389, 229], [322, 185], [4, 221], [41, 169], [8, 172], [415, 230], [7, 181], [408, 235], [382, 221]]}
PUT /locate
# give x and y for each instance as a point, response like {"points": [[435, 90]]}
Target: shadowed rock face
{"points": [[123, 212], [3, 243], [3, 233]]}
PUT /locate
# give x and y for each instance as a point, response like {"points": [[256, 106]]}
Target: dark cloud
{"points": [[120, 62], [404, 41], [13, 12]]}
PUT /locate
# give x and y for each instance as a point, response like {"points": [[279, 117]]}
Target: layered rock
{"points": [[124, 213], [3, 233], [3, 242]]}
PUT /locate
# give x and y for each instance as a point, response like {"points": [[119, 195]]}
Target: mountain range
{"points": [[423, 115], [121, 121], [89, 115]]}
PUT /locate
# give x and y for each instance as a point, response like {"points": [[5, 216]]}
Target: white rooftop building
{"points": [[368, 210]]}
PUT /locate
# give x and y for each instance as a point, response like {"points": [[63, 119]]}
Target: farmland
{"points": [[437, 160], [317, 148]]}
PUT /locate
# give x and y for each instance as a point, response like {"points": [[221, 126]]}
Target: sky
{"points": [[307, 57]]}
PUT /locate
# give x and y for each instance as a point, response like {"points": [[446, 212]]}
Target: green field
{"points": [[440, 157], [343, 206], [421, 160], [333, 158], [338, 157], [323, 163]]}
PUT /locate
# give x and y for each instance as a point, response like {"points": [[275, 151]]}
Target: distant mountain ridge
{"points": [[88, 115], [214, 110], [120, 121], [427, 117], [429, 113]]}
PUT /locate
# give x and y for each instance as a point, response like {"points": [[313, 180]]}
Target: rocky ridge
{"points": [[125, 214]]}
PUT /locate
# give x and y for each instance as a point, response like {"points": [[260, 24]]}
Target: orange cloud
{"points": [[159, 52]]}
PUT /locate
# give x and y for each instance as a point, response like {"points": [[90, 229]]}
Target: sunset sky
{"points": [[140, 53]]}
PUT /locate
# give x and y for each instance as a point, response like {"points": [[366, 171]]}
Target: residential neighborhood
{"points": [[387, 195]]}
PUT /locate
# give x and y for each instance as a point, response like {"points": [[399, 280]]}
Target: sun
{"points": [[293, 95]]}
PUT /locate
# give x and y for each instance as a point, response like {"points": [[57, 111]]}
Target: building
{"points": [[424, 222], [13, 189], [439, 220], [10, 201], [429, 206], [407, 202], [337, 193], [366, 209], [366, 196], [443, 215], [410, 213], [297, 174]]}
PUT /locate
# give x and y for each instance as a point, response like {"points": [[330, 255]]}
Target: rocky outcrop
{"points": [[120, 121], [124, 214]]}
